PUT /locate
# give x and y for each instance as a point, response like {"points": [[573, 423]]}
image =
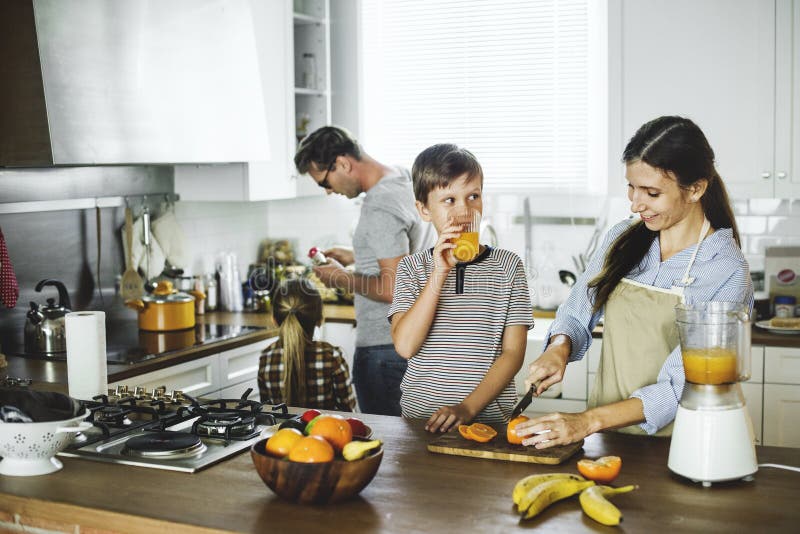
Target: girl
{"points": [[296, 369]]}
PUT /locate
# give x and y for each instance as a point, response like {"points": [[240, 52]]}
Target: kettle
{"points": [[45, 331]]}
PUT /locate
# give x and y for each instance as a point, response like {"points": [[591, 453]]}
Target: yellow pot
{"points": [[166, 309]]}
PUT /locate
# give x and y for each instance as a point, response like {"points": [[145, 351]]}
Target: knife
{"points": [[525, 401]]}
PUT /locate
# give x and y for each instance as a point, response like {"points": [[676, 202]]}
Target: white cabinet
{"points": [[282, 37], [729, 66], [195, 378], [224, 375], [782, 396], [238, 369], [342, 335]]}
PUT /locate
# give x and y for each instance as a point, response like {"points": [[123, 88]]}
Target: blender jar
{"points": [[715, 342]]}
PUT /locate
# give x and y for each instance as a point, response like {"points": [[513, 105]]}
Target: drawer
{"points": [[781, 365], [241, 364]]}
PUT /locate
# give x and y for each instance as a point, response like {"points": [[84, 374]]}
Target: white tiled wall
{"points": [[766, 223]]}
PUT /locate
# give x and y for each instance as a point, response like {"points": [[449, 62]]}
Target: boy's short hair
{"points": [[323, 146], [438, 165]]}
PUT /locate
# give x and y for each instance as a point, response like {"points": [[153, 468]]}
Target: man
{"points": [[388, 229]]}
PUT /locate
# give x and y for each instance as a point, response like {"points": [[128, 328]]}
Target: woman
{"points": [[684, 246]]}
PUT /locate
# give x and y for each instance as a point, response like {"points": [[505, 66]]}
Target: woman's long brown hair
{"points": [[676, 146], [297, 309]]}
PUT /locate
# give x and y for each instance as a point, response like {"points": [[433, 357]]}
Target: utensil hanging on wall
{"points": [[131, 286]]}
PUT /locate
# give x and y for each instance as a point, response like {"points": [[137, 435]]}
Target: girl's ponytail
{"points": [[294, 363]]}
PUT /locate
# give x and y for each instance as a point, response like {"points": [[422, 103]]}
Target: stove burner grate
{"points": [[164, 445]]}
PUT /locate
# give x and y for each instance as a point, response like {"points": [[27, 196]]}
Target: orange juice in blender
{"points": [[713, 365], [466, 244]]}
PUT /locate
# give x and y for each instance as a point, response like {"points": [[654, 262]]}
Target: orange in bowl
{"points": [[311, 450], [335, 430], [317, 483], [283, 441]]}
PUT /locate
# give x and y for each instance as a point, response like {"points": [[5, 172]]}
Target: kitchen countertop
{"points": [[414, 491], [52, 375]]}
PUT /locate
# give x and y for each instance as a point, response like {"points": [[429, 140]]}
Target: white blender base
{"points": [[713, 445]]}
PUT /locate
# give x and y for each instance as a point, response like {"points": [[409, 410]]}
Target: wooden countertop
{"points": [[414, 491], [52, 375]]}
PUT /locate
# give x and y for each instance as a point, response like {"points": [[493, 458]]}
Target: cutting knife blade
{"points": [[525, 401]]}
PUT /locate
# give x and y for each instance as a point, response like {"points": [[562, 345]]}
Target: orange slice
{"points": [[480, 432], [464, 250], [464, 431]]}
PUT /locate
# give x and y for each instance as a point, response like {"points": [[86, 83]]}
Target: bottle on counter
{"points": [[317, 257], [199, 304], [212, 294]]}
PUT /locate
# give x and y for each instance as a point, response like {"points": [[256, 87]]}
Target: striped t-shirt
{"points": [[478, 301]]}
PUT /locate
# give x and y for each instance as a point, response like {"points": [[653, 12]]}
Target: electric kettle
{"points": [[45, 331]]}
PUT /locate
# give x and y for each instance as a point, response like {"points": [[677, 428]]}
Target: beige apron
{"points": [[639, 333]]}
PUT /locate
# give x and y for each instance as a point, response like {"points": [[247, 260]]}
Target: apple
{"points": [[357, 426], [308, 415]]}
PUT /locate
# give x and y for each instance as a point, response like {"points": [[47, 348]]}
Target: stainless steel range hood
{"points": [[103, 82]]}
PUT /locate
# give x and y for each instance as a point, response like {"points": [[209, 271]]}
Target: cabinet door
{"points": [[240, 365], [197, 377], [787, 99], [342, 335], [782, 365], [781, 414], [711, 61]]}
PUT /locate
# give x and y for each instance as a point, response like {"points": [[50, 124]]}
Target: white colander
{"points": [[29, 449]]}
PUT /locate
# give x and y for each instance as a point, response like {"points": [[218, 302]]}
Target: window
{"points": [[511, 81]]}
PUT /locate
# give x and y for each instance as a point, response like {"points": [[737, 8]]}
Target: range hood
{"points": [[101, 82]]}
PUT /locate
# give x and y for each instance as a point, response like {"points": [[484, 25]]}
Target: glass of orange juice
{"points": [[466, 244]]}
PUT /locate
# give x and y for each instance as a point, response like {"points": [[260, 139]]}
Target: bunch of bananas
{"points": [[534, 493]]}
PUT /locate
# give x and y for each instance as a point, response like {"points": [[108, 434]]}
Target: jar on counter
{"points": [[212, 294], [199, 305], [784, 306]]}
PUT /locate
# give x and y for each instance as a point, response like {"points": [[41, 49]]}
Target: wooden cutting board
{"points": [[500, 449]]}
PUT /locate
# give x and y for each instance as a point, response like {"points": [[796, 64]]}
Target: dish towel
{"points": [[9, 290], [172, 239]]}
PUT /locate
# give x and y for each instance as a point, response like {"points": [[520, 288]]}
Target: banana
{"points": [[524, 484], [355, 450], [543, 495], [596, 505]]}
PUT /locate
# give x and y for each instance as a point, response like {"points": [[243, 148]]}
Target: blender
{"points": [[712, 438]]}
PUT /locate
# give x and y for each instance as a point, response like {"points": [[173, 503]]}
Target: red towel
{"points": [[9, 290]]}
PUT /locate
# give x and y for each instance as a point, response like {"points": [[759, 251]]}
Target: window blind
{"points": [[507, 80]]}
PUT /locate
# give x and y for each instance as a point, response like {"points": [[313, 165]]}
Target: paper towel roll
{"points": [[87, 374]]}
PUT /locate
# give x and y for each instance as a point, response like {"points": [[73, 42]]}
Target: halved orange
{"points": [[464, 431], [480, 432]]}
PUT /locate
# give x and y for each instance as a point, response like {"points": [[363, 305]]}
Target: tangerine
{"points": [[481, 433], [283, 441], [603, 470], [334, 429], [511, 435], [311, 450]]}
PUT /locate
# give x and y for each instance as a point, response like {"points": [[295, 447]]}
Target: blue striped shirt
{"points": [[720, 273]]}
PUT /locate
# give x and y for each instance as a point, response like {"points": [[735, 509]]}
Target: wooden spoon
{"points": [[131, 286]]}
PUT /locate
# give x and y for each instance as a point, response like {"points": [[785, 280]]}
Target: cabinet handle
{"points": [[766, 175], [782, 175]]}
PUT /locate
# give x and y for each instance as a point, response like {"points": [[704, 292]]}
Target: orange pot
{"points": [[165, 309]]}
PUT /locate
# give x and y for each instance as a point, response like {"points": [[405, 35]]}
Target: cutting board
{"points": [[500, 449]]}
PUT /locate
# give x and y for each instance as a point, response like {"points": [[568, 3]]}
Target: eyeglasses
{"points": [[324, 182]]}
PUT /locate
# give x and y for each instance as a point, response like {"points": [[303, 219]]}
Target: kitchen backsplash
{"points": [[62, 244]]}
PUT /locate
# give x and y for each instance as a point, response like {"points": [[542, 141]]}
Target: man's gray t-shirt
{"points": [[389, 226]]}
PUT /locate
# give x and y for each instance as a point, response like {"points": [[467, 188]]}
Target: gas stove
{"points": [[170, 430]]}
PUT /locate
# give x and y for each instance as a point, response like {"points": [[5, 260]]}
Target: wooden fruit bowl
{"points": [[317, 483]]}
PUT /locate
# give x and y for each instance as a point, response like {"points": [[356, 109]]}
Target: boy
{"points": [[462, 326]]}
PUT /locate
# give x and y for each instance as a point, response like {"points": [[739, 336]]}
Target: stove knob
{"points": [[160, 392], [122, 391], [140, 392]]}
